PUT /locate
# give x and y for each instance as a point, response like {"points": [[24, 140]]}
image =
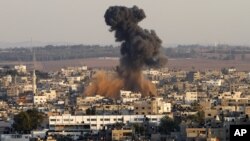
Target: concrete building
{"points": [[20, 68], [152, 106], [191, 97], [15, 137], [39, 99], [76, 123], [88, 99], [128, 96], [50, 94], [122, 134], [193, 76]]}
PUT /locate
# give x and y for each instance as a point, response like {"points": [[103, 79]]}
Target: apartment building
{"points": [[39, 99], [129, 96], [191, 97], [67, 122], [152, 106]]}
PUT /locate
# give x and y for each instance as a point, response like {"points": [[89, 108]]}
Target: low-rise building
{"points": [[39, 99], [122, 134], [129, 96], [191, 97], [96, 122]]}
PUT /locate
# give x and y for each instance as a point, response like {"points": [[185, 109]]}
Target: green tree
{"points": [[26, 121], [139, 128], [198, 118], [90, 111], [22, 122], [168, 125]]}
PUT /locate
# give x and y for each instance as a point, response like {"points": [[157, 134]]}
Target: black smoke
{"points": [[139, 48]]}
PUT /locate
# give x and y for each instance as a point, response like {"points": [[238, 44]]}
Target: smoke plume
{"points": [[139, 48]]}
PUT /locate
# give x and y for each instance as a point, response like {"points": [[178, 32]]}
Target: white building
{"points": [[15, 137], [96, 122], [7, 78], [20, 68], [151, 72], [191, 97], [166, 108], [231, 70], [128, 96], [39, 99], [72, 79], [215, 82], [163, 106]]}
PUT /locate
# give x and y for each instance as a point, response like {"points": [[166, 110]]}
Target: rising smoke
{"points": [[139, 48]]}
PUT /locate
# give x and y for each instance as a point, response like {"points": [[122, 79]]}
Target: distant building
{"points": [[40, 99], [122, 134], [20, 68], [15, 137], [128, 96], [193, 76], [191, 97], [50, 94], [88, 99]]}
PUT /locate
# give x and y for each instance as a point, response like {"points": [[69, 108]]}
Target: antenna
{"points": [[34, 88]]}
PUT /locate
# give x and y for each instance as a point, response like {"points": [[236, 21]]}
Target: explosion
{"points": [[139, 48]]}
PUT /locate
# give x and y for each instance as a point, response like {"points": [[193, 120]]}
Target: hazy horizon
{"points": [[82, 22]]}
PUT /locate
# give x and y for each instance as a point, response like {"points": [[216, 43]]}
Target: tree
{"points": [[26, 121], [198, 118], [90, 111], [168, 125], [139, 128], [22, 122]]}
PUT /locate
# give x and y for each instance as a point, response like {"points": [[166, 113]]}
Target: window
{"points": [[154, 119], [106, 119], [52, 119], [93, 119]]}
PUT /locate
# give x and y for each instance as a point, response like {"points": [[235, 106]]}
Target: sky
{"points": [[82, 21]]}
